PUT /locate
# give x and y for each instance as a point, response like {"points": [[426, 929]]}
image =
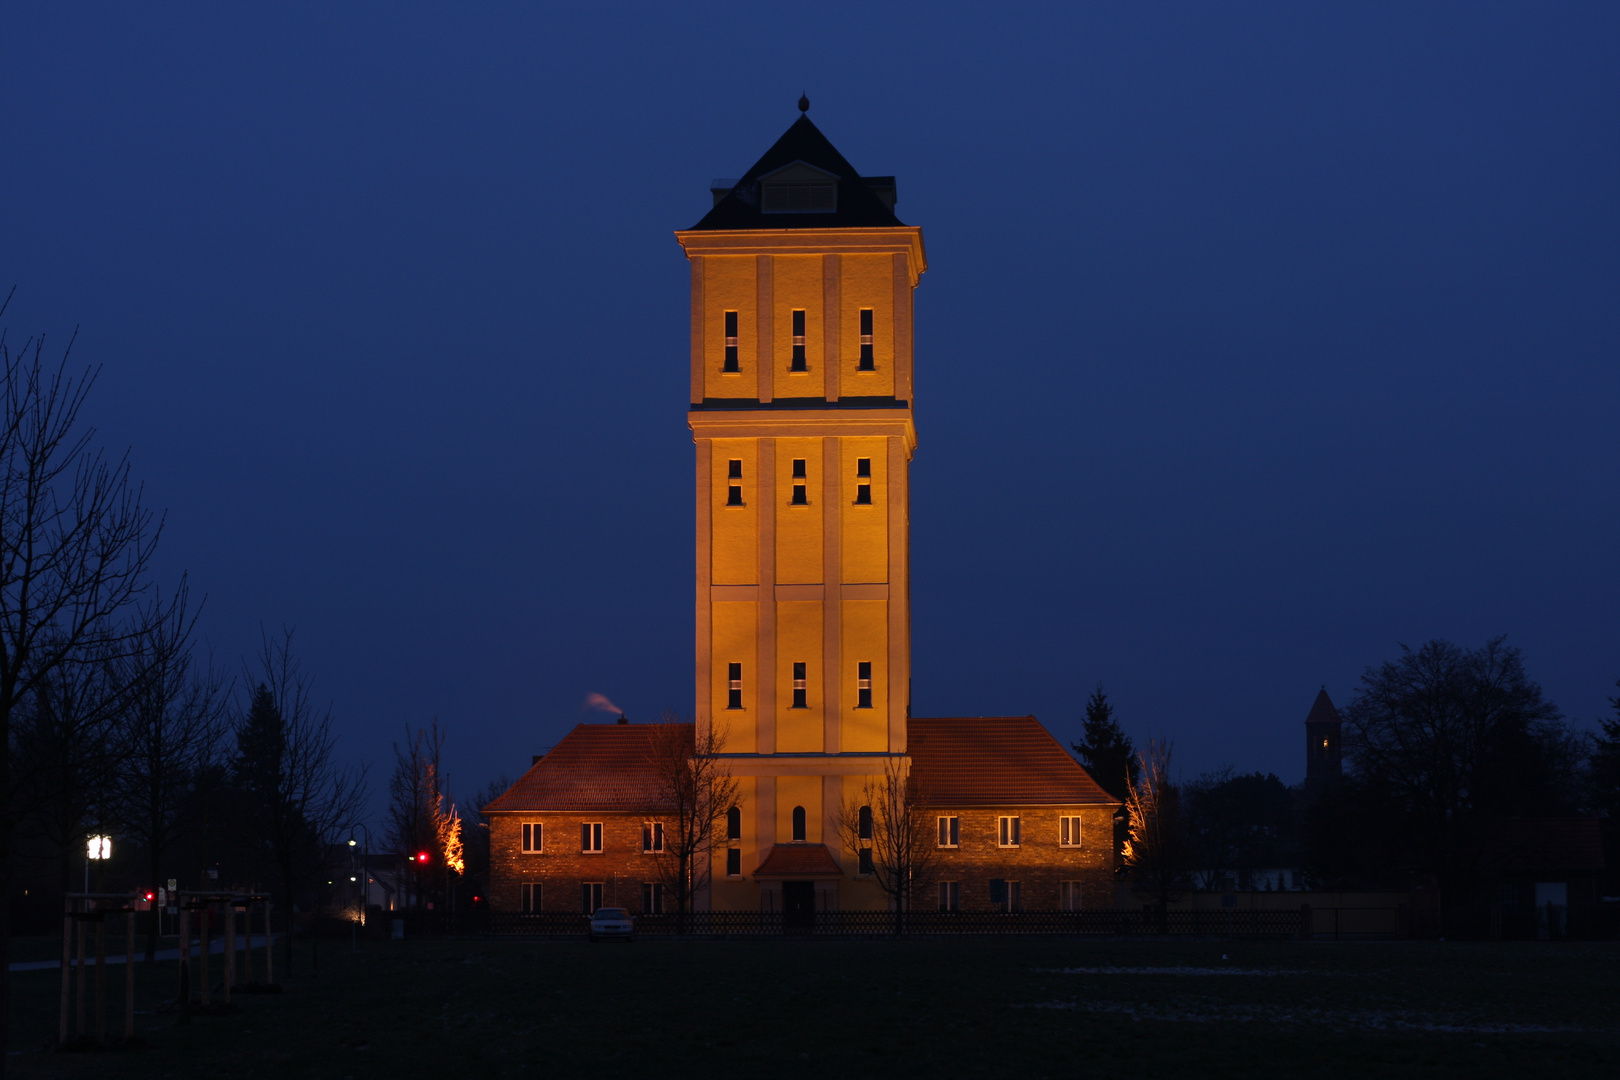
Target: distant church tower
{"points": [[1323, 739], [802, 282]]}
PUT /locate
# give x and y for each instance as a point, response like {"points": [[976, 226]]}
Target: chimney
{"points": [[535, 760], [623, 719]]}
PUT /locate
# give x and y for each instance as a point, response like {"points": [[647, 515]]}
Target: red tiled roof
{"points": [[798, 861], [595, 767], [1549, 844], [995, 761]]}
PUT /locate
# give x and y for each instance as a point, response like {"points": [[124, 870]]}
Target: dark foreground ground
{"points": [[977, 1007]]}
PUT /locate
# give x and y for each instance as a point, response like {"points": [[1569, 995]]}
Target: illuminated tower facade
{"points": [[801, 410]]}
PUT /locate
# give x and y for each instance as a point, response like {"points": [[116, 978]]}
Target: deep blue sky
{"points": [[1256, 338]]}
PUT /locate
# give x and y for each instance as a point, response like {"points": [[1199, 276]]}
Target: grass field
{"points": [[975, 1007]]}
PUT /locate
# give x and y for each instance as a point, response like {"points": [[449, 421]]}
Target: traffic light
{"points": [[421, 857]]}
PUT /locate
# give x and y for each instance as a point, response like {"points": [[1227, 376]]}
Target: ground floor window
{"points": [[1007, 895], [652, 898], [591, 896], [950, 896], [1071, 895], [529, 897]]}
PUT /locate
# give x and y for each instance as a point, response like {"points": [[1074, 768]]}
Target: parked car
{"points": [[612, 922]]}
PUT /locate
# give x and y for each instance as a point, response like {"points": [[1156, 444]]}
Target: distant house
{"points": [[1547, 872]]}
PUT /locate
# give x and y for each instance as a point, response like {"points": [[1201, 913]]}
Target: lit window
{"points": [[733, 862], [731, 343], [734, 688], [950, 832], [863, 471], [868, 362], [866, 823], [863, 685], [590, 896], [800, 693], [652, 898], [734, 474], [529, 897], [532, 838], [950, 896], [734, 823], [1071, 895], [799, 363], [798, 824], [590, 838], [1068, 832], [652, 837], [1008, 832]]}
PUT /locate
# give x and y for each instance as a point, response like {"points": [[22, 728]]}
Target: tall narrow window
{"points": [[734, 479], [734, 687], [866, 869], [863, 477], [652, 837], [863, 685], [731, 343], [734, 823], [868, 361], [798, 824], [652, 898], [800, 490], [1008, 832], [734, 862], [865, 823], [798, 363], [800, 693], [1068, 832], [533, 838], [950, 832], [590, 837]]}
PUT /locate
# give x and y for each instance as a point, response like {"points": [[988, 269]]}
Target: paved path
{"points": [[215, 947]]}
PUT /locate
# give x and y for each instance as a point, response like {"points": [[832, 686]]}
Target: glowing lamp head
{"points": [[98, 847], [351, 842]]}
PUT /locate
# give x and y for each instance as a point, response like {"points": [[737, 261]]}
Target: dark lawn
{"points": [[915, 1008]]}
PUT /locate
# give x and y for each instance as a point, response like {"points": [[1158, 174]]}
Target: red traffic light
{"points": [[421, 856], [150, 897]]}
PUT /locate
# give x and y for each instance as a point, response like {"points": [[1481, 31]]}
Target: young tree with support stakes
{"points": [[76, 543], [694, 785], [889, 821], [1157, 851]]}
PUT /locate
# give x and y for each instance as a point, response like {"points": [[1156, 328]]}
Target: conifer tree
{"points": [[1107, 752]]}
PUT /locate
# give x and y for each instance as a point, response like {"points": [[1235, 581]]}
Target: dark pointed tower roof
{"points": [[1323, 712], [858, 206]]}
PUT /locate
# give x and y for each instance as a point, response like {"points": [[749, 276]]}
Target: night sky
{"points": [[1256, 339]]}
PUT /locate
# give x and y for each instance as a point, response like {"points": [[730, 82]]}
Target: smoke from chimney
{"points": [[600, 703]]}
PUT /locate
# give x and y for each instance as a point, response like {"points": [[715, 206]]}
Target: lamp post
{"points": [[96, 848], [364, 883]]}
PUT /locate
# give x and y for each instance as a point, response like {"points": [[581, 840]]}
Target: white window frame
{"points": [[531, 898], [590, 838], [1015, 897], [652, 897], [531, 838], [951, 832], [1069, 895], [652, 837], [595, 894], [1069, 831], [950, 896], [1009, 831]]}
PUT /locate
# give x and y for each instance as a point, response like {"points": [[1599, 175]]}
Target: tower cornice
{"points": [[905, 240], [817, 423]]}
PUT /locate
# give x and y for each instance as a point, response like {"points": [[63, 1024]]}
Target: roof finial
{"points": [[804, 104]]}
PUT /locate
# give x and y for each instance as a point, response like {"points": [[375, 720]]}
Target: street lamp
{"points": [[364, 883], [97, 847]]}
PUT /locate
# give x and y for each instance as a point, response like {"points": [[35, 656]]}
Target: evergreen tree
{"points": [[1107, 752]]}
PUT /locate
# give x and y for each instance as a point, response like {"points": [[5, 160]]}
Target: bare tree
{"points": [[421, 818], [296, 798], [890, 830], [1157, 851], [174, 726], [75, 546], [695, 788]]}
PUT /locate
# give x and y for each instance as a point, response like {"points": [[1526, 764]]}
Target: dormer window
{"points": [[799, 189]]}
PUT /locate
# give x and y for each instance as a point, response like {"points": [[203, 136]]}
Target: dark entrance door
{"points": [[798, 905]]}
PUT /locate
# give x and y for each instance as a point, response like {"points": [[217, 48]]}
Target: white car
{"points": [[612, 922]]}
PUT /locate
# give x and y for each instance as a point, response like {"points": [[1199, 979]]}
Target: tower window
{"points": [[865, 863], [731, 344], [734, 687], [798, 363], [734, 491], [734, 823], [798, 468], [799, 691], [798, 825], [863, 471], [801, 496], [865, 823], [863, 685], [734, 469], [863, 468], [733, 862], [868, 361]]}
